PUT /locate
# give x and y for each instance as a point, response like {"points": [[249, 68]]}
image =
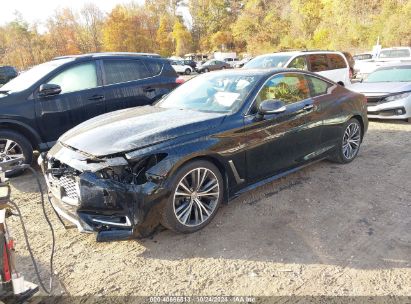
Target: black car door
{"points": [[328, 112], [129, 83], [81, 98], [278, 142]]}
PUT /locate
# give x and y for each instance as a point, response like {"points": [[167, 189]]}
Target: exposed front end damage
{"points": [[111, 196]]}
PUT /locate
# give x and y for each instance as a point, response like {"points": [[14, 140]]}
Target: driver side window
{"points": [[288, 88], [80, 77]]}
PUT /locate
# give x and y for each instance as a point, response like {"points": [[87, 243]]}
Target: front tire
{"points": [[197, 192], [349, 143], [13, 145], [206, 70], [187, 72]]}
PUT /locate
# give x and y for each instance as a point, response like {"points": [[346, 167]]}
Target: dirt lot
{"points": [[326, 230]]}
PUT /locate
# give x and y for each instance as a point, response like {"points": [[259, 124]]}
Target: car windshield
{"points": [[265, 62], [397, 74], [214, 92], [28, 78]]}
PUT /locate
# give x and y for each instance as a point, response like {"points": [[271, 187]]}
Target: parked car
{"points": [[214, 137], [386, 57], [231, 61], [190, 63], [332, 65], [388, 92], [7, 73], [213, 65], [395, 53], [180, 67], [41, 104], [243, 61]]}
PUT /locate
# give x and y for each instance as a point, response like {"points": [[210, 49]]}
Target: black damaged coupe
{"points": [[216, 136]]}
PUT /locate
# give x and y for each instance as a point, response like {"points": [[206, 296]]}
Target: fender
{"points": [[27, 130]]}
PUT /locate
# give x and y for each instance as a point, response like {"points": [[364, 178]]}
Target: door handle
{"points": [[96, 97], [308, 107], [148, 89]]}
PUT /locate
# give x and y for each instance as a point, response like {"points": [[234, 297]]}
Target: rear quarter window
{"points": [[317, 86], [336, 61], [318, 62], [154, 67], [124, 70]]}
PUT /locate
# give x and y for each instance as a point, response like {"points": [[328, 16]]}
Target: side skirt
{"points": [[273, 178]]}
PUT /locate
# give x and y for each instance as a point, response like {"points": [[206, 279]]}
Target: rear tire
{"points": [[13, 144], [349, 142], [196, 194]]}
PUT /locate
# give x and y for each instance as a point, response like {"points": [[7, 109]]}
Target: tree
{"points": [[164, 37], [182, 38]]}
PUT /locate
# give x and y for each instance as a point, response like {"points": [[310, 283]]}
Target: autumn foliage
{"points": [[244, 26]]}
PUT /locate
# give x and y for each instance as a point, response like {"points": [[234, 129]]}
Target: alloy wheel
{"points": [[351, 140], [10, 150], [196, 197]]}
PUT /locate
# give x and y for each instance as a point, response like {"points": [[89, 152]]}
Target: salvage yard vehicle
{"points": [[41, 104], [388, 92], [386, 57], [213, 65], [329, 64], [180, 67], [214, 137]]}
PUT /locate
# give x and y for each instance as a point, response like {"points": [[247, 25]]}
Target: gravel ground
{"points": [[326, 230]]}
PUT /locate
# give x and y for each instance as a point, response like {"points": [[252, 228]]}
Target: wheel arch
{"points": [[24, 130], [360, 119]]}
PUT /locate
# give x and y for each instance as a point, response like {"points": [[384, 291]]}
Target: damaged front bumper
{"points": [[113, 209]]}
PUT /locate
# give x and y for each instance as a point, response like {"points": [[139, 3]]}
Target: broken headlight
{"points": [[134, 173]]}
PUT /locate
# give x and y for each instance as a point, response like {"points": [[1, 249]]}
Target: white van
{"points": [[330, 64]]}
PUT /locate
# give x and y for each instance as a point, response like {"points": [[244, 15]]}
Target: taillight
{"points": [[365, 100], [180, 80], [350, 74]]}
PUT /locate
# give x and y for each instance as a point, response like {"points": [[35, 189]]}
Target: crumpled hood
{"points": [[380, 88], [135, 128]]}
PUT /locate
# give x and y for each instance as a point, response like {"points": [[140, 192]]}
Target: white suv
{"points": [[330, 64]]}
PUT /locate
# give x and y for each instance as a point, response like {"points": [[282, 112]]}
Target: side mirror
{"points": [[271, 106], [49, 89]]}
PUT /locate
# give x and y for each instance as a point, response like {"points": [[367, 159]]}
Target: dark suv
{"points": [[7, 73], [51, 98]]}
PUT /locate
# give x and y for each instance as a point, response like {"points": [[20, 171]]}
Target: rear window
{"points": [[395, 53], [362, 57], [118, 71], [336, 61], [318, 62]]}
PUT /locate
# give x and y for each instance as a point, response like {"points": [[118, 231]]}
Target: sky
{"points": [[40, 10]]}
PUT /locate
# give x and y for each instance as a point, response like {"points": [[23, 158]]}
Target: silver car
{"points": [[388, 92]]}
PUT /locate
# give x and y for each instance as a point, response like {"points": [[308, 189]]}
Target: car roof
{"points": [[306, 52], [111, 55], [397, 48], [263, 72], [394, 66]]}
